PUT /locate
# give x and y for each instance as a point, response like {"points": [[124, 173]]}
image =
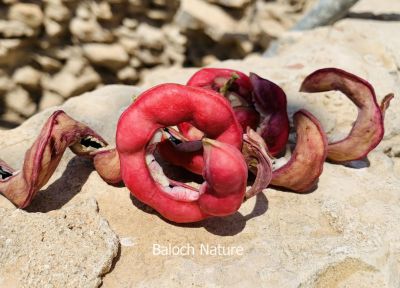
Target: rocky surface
{"points": [[109, 42], [71, 247], [343, 234]]}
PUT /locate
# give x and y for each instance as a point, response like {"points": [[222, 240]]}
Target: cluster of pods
{"points": [[220, 125]]}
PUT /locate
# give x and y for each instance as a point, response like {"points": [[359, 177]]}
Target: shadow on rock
{"points": [[221, 226], [61, 191]]}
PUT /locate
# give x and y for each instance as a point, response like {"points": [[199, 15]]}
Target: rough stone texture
{"points": [[343, 234], [109, 56], [71, 247], [124, 39], [27, 13], [198, 15], [27, 77], [377, 7]]}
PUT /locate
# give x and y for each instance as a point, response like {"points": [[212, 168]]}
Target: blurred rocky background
{"points": [[52, 50]]}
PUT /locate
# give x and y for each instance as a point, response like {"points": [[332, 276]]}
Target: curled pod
{"points": [[224, 81], [270, 101], [106, 163], [223, 166], [368, 129], [301, 172], [235, 86], [59, 133], [258, 161]]}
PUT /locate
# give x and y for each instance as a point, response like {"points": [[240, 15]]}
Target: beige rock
{"points": [[130, 45], [135, 63], [27, 13], [128, 75], [89, 31], [15, 29], [174, 36], [53, 28], [47, 64], [149, 57], [199, 15], [271, 19], [67, 84], [28, 77], [83, 11], [110, 56], [19, 101], [6, 83], [12, 52], [377, 7], [102, 10], [31, 253], [56, 11], [158, 14], [76, 77], [9, 120], [150, 37], [130, 23], [50, 99], [75, 65]]}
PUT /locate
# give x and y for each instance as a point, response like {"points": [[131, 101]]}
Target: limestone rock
{"points": [[131, 45], [102, 10], [375, 7], [12, 52], [46, 34], [127, 75], [72, 247], [67, 84], [53, 28], [109, 56], [6, 83], [28, 77], [199, 15], [27, 13], [56, 11], [20, 102], [47, 64], [150, 37], [15, 29], [89, 31], [50, 99]]}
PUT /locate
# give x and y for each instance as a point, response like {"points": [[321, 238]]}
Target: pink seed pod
{"points": [[217, 79], [270, 101], [59, 133], [226, 177], [168, 105], [305, 166], [368, 129], [235, 86], [258, 161], [247, 117], [106, 163]]}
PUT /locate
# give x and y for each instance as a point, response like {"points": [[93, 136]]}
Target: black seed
{"points": [[174, 140], [4, 174], [87, 142]]}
